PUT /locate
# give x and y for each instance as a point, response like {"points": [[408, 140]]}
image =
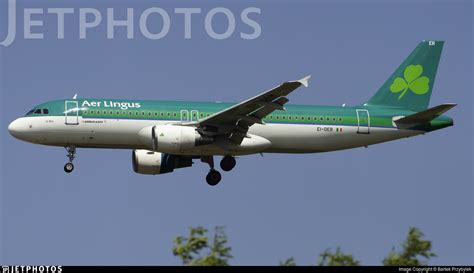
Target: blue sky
{"points": [[275, 206]]}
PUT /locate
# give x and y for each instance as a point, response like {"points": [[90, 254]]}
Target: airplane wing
{"points": [[235, 121]]}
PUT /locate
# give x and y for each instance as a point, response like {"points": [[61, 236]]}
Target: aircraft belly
{"points": [[297, 138]]}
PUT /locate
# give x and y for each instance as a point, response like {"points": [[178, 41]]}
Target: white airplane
{"points": [[167, 135]]}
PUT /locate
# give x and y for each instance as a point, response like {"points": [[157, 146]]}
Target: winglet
{"points": [[304, 81], [75, 96]]}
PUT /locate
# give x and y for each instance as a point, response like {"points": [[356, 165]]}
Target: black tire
{"points": [[228, 163], [213, 178], [69, 167]]}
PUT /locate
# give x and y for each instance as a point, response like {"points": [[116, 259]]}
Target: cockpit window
{"points": [[38, 111]]}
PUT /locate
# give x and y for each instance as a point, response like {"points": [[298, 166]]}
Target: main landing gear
{"points": [[228, 163], [214, 177], [71, 154]]}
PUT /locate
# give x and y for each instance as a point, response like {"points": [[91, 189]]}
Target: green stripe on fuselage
{"points": [[174, 110]]}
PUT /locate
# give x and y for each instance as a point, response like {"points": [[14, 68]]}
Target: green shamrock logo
{"points": [[412, 80]]}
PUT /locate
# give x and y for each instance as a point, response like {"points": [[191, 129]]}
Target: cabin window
{"points": [[149, 114], [277, 117], [340, 119], [309, 118], [105, 112], [175, 114], [111, 112], [283, 117], [289, 117], [201, 115], [334, 119], [328, 118]]}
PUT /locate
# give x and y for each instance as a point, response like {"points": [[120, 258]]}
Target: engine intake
{"points": [[150, 162]]}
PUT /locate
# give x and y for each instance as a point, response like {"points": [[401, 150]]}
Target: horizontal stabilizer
{"points": [[426, 115]]}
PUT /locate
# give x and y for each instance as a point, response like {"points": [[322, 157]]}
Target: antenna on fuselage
{"points": [[75, 96]]}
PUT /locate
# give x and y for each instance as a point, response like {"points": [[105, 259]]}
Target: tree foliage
{"points": [[413, 248], [338, 258], [198, 250], [288, 262], [190, 249]]}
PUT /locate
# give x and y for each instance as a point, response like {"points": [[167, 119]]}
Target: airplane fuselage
{"points": [[103, 123]]}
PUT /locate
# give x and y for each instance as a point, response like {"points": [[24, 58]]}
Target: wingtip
{"points": [[450, 105], [305, 81]]}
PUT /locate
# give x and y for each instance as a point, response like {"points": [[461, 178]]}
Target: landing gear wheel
{"points": [[228, 163], [213, 178], [69, 167], [71, 154]]}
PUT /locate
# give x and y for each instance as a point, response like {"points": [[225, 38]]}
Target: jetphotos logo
{"points": [[412, 81], [90, 18]]}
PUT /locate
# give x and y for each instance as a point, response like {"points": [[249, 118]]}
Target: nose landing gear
{"points": [[71, 154]]}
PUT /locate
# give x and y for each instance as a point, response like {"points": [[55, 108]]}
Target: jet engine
{"points": [[150, 162], [173, 138]]}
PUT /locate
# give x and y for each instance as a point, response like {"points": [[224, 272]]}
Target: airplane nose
{"points": [[16, 128]]}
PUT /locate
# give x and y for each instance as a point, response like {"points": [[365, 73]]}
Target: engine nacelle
{"points": [[150, 162], [172, 138]]}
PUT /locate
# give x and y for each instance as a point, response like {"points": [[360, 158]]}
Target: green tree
{"points": [[197, 250], [288, 262], [189, 249], [338, 258], [412, 248]]}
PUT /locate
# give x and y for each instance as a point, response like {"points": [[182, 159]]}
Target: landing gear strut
{"points": [[213, 177], [71, 154], [228, 163]]}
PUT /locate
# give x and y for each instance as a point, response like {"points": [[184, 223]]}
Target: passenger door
{"points": [[363, 121], [71, 112]]}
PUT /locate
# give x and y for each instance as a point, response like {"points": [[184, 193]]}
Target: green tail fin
{"points": [[410, 86]]}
